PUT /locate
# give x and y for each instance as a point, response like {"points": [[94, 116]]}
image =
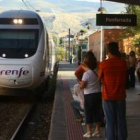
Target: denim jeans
{"points": [[76, 108], [115, 115]]}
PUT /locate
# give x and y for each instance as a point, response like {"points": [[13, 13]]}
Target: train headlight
{"points": [[20, 21], [26, 55], [17, 21], [3, 55]]}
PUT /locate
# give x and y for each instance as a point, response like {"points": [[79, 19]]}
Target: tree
{"points": [[60, 52], [136, 42], [133, 31], [82, 31], [134, 9]]}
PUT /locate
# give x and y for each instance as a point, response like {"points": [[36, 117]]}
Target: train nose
{"points": [[15, 76]]}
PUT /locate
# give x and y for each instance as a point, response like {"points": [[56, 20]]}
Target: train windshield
{"points": [[18, 43]]}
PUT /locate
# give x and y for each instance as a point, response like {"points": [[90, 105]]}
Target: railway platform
{"points": [[63, 124]]}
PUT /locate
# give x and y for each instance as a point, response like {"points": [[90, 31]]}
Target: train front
{"points": [[19, 41]]}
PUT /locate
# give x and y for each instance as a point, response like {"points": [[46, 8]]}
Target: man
{"points": [[70, 59], [113, 74]]}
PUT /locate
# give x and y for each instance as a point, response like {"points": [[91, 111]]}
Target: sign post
{"points": [[116, 20]]}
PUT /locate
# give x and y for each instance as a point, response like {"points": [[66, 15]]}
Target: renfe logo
{"points": [[14, 72]]}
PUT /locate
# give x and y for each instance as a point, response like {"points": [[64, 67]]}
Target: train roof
{"points": [[19, 14]]}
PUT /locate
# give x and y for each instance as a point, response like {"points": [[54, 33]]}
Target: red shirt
{"points": [[113, 74], [79, 73]]}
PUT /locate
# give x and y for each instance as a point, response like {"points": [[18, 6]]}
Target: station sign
{"points": [[116, 20]]}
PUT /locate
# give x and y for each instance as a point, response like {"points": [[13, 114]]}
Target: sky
{"points": [[89, 0], [58, 5]]}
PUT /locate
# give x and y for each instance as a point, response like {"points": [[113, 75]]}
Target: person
{"points": [[126, 58], [78, 105], [79, 73], [113, 74], [127, 81], [138, 69], [70, 59], [132, 67], [92, 95]]}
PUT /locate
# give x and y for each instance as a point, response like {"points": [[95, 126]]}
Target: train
{"points": [[27, 51]]}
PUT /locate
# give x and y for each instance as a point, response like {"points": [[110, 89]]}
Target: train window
{"points": [[17, 43]]}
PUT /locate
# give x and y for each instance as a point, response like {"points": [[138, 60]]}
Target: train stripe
{"points": [[26, 21]]}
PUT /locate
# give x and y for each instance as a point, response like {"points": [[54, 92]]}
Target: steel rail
{"points": [[23, 122]]}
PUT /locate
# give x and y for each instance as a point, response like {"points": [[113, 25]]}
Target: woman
{"points": [[132, 67], [92, 95]]}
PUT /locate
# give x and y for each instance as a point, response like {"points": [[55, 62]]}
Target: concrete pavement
{"points": [[72, 130]]}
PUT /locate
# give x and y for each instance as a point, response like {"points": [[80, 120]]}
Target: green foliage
{"points": [[55, 38], [60, 53], [61, 41], [136, 42], [86, 39], [133, 31], [134, 9], [82, 31]]}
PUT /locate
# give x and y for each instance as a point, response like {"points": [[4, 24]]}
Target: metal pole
{"points": [[69, 42], [101, 45]]}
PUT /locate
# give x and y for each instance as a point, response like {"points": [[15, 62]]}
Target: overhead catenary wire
{"points": [[25, 4], [31, 5]]}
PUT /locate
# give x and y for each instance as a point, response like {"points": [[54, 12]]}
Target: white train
{"points": [[27, 55]]}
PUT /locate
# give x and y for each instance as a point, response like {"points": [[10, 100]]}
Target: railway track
{"points": [[25, 117], [15, 112]]}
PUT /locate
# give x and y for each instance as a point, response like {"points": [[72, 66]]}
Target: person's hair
{"points": [[91, 60], [123, 55], [113, 48], [132, 54]]}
